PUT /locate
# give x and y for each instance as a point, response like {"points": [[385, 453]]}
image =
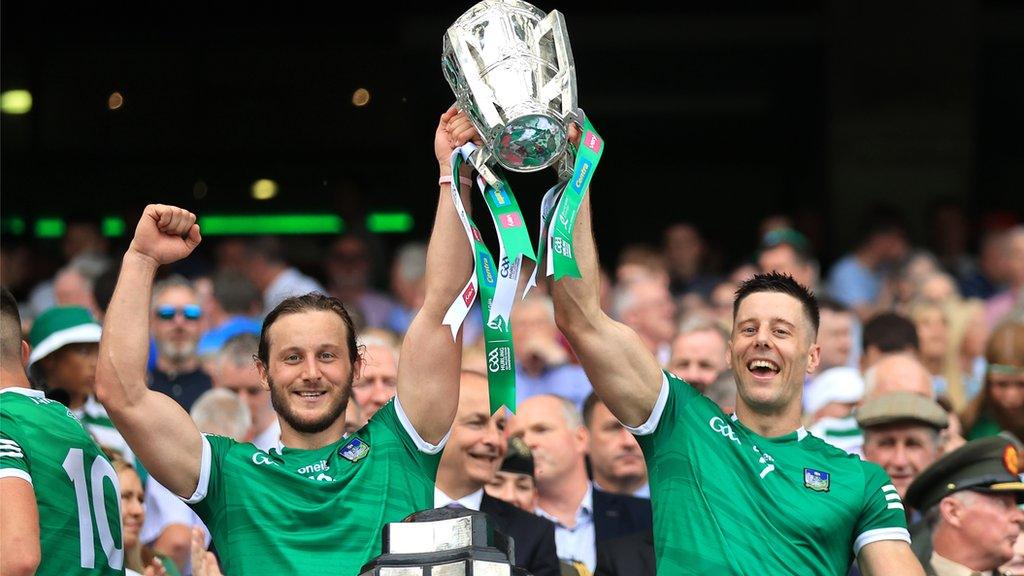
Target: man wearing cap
{"points": [[65, 346], [973, 494], [901, 434], [787, 251]]}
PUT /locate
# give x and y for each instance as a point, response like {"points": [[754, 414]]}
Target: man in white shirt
{"points": [[234, 369]]}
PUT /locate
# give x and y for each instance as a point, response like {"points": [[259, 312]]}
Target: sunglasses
{"points": [[189, 311]]}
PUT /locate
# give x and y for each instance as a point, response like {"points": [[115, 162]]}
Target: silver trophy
{"points": [[512, 72]]}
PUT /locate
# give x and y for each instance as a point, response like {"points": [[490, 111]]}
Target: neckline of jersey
{"points": [[794, 436], [280, 448]]}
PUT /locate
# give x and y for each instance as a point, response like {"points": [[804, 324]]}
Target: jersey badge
{"points": [[816, 480], [354, 450]]}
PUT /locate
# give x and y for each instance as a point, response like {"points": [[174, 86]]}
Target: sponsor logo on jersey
{"points": [[816, 480], [487, 265], [499, 197], [261, 459], [590, 140], [354, 450], [719, 425], [320, 466]]}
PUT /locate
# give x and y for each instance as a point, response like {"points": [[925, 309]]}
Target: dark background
{"points": [[716, 112]]}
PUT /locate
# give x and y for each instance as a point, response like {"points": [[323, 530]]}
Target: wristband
{"points": [[447, 179]]}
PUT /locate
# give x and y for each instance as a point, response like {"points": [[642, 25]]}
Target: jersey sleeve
{"points": [[674, 395], [208, 498], [13, 463], [882, 515], [427, 456]]}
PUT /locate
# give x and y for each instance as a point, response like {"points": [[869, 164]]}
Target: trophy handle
{"points": [[563, 83]]}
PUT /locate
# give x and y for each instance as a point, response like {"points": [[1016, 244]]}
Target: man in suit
{"points": [[475, 450], [584, 516], [631, 555]]}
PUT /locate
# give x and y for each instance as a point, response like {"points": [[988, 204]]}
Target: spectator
{"points": [[176, 314], [646, 306], [377, 382], [937, 288], [685, 252], [901, 434], [73, 284], [584, 516], [475, 451], [1003, 303], [81, 237], [723, 391], [887, 333], [972, 495], [542, 360], [514, 481], [350, 270], [787, 251], [1000, 406], [933, 336], [234, 370], [835, 334], [904, 285], [616, 462], [233, 310], [720, 302], [639, 261], [270, 272], [407, 284], [699, 352], [137, 558], [990, 277], [965, 355], [856, 279], [833, 394]]}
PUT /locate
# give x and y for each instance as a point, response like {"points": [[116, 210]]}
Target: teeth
{"points": [[762, 364]]}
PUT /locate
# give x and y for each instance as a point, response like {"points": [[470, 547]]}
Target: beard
{"points": [[176, 352], [335, 410]]}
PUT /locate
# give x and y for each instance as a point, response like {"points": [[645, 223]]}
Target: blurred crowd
{"points": [[922, 349]]}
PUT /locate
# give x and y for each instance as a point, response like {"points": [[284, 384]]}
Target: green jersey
{"points": [[728, 501], [76, 488], [290, 511]]}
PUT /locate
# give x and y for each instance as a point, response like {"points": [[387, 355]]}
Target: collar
{"points": [[585, 510], [23, 392], [471, 500], [947, 567], [801, 432]]}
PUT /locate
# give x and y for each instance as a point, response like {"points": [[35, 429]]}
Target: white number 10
{"points": [[100, 469]]}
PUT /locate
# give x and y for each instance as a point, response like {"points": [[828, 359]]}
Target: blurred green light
{"points": [[13, 225], [16, 102], [113, 227], [49, 228], [243, 224], [389, 222]]}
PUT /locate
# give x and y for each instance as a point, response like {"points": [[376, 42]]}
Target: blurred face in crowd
{"points": [[986, 524], [378, 380], [72, 368], [835, 336], [82, 237], [557, 447], [477, 444], [904, 450], [353, 418], [517, 489], [721, 302], [70, 288], [133, 512], [1006, 388], [683, 249], [938, 288], [349, 263], [785, 260], [244, 380], [892, 246], [901, 373], [1015, 259], [308, 370], [772, 350], [652, 312], [932, 332], [698, 357], [176, 337], [615, 456]]}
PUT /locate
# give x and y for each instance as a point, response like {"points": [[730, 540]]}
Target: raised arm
{"points": [[430, 364], [158, 430], [624, 373]]}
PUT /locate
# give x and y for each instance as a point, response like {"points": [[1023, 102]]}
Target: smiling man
{"points": [[760, 495], [316, 503]]}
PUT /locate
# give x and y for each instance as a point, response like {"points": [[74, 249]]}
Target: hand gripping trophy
{"points": [[512, 71]]}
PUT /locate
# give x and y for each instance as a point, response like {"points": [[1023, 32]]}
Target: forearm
{"points": [[19, 528], [449, 252], [578, 300]]}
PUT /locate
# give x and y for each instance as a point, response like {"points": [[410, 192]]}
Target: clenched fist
{"points": [[165, 234]]}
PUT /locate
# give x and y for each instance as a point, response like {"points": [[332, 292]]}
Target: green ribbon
{"points": [[561, 237]]}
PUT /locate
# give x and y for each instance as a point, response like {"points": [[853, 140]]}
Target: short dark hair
{"points": [[784, 284], [235, 293], [890, 332], [832, 305], [10, 326], [312, 302]]}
